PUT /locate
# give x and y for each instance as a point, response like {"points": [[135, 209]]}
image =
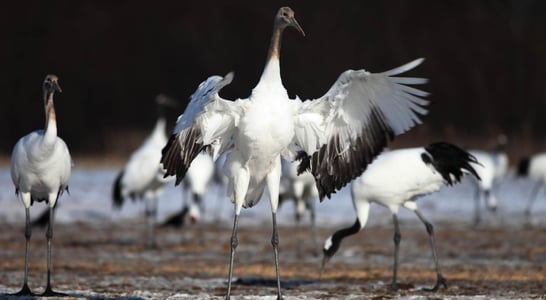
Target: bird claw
{"points": [[25, 291], [394, 287], [49, 292], [439, 281]]}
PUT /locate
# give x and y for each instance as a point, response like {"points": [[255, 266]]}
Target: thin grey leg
{"points": [[313, 225], [477, 212], [440, 280], [151, 214], [275, 243], [49, 235], [532, 198], [397, 238], [234, 243], [25, 290]]}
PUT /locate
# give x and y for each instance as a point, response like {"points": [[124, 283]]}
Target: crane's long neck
{"points": [[159, 133], [272, 71], [160, 127], [51, 120], [275, 44], [161, 123], [338, 236]]}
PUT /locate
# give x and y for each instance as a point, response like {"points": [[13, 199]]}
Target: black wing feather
{"points": [[333, 168]]}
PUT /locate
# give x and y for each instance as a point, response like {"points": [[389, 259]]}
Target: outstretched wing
{"points": [[207, 123], [340, 133]]}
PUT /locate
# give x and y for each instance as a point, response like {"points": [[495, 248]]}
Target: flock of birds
{"points": [[302, 150]]}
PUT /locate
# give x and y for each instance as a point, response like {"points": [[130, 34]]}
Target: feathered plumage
{"points": [[397, 178], [335, 136], [40, 168]]}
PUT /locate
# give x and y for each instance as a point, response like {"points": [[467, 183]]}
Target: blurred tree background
{"points": [[486, 61]]}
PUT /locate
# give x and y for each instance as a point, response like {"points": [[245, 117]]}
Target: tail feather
{"points": [[523, 167], [42, 220], [176, 220], [117, 196], [450, 161]]}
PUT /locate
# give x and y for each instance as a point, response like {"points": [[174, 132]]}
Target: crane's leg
{"points": [[151, 214], [234, 243], [440, 280], [532, 198], [49, 236], [196, 215], [240, 187], [298, 215], [273, 180], [198, 200], [491, 201], [25, 290], [477, 200], [185, 205], [275, 244], [311, 204], [299, 205], [198, 207], [397, 238]]}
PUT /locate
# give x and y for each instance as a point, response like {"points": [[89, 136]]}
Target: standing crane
{"points": [[40, 168], [334, 137], [398, 178], [492, 168], [143, 177]]}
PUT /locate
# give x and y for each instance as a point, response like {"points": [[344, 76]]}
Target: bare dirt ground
{"points": [[109, 260]]}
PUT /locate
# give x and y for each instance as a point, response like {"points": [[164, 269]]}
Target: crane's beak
{"points": [[57, 87], [296, 25], [324, 261]]}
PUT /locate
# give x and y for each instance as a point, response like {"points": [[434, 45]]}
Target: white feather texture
{"points": [[40, 169], [487, 168], [395, 177], [537, 167], [491, 167], [200, 173], [334, 137], [143, 175], [40, 163], [269, 124]]}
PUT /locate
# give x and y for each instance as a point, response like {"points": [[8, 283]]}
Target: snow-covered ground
{"points": [[90, 200]]}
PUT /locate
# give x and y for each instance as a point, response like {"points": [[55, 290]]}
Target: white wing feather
{"points": [[342, 131], [207, 123]]}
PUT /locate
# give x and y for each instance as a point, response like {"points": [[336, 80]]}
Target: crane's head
{"points": [[51, 84], [164, 100], [330, 248], [285, 17], [332, 243], [163, 104]]}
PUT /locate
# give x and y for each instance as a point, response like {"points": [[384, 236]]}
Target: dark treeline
{"points": [[486, 60]]}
